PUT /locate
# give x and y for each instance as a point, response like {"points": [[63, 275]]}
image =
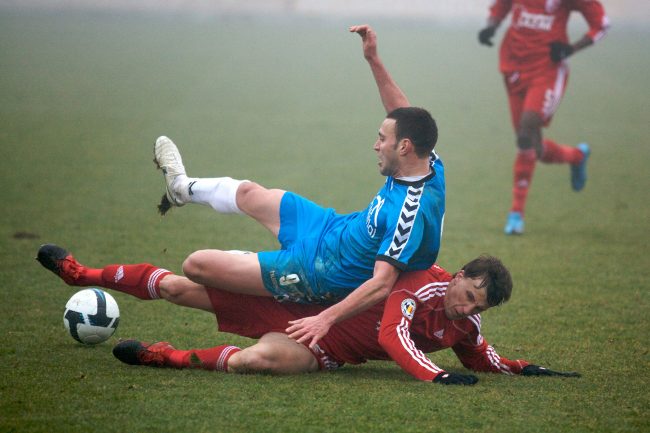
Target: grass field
{"points": [[291, 104]]}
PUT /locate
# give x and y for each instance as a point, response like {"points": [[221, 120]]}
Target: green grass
{"points": [[291, 104]]}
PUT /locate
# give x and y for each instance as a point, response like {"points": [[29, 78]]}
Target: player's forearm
{"points": [[493, 22], [365, 296], [391, 95], [584, 42]]}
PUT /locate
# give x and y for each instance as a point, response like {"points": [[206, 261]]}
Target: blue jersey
{"points": [[329, 255]]}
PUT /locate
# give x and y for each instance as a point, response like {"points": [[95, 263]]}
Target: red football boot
{"points": [[134, 352], [62, 263]]}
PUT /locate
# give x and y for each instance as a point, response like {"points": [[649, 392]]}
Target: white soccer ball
{"points": [[91, 316]]}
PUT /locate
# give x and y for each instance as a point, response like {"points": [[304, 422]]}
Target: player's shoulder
{"points": [[424, 284]]}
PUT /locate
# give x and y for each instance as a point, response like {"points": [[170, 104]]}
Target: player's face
{"points": [[464, 297], [386, 148]]}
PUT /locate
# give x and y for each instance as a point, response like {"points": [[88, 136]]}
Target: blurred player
{"points": [[427, 311], [533, 62], [324, 256]]}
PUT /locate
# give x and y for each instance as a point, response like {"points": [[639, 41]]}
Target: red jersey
{"points": [[537, 23], [410, 323]]}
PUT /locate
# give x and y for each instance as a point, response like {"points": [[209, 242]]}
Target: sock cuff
{"points": [[153, 282], [219, 193], [222, 361]]}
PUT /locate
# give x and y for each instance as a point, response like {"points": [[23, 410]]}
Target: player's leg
{"points": [[223, 194], [143, 280], [553, 85], [163, 354], [274, 353], [528, 139], [525, 158], [238, 273]]}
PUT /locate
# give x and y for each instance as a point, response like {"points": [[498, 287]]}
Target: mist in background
{"points": [[628, 11]]}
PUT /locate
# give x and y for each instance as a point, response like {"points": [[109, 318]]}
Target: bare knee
{"points": [[529, 133], [247, 192], [197, 265]]}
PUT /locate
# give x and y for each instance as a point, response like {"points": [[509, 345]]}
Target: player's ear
{"points": [[404, 146]]}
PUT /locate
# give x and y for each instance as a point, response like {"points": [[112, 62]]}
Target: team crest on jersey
{"points": [[408, 308]]}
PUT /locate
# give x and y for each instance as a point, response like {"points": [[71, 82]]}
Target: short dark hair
{"points": [[496, 278], [417, 125]]}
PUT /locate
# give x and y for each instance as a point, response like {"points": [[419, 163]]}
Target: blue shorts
{"points": [[289, 273]]}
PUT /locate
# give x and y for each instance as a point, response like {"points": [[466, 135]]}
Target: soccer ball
{"points": [[91, 316]]}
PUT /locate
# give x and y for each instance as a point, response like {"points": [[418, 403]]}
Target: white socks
{"points": [[220, 193]]}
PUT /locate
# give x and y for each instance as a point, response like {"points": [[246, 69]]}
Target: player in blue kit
{"points": [[352, 260]]}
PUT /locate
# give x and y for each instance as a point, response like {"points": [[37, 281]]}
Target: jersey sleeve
{"points": [[404, 231], [595, 16], [395, 337], [499, 10], [476, 354]]}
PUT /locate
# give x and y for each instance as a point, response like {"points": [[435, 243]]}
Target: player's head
{"points": [[482, 283], [417, 125]]}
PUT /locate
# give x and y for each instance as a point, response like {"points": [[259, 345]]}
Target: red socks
{"points": [[523, 169], [215, 358], [141, 281], [557, 153]]}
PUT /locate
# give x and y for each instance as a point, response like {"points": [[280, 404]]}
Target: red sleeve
{"points": [[499, 9], [477, 355], [595, 16], [395, 336]]}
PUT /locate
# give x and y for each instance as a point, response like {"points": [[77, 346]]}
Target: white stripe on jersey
{"points": [[417, 355], [476, 320], [405, 222], [431, 290], [495, 360]]}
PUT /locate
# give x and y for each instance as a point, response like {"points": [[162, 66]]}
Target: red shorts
{"points": [[537, 91], [254, 316]]}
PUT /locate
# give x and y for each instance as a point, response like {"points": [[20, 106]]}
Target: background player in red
{"points": [[427, 311], [533, 62]]}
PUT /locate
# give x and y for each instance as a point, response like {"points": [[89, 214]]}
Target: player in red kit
{"points": [[533, 62], [427, 311]]}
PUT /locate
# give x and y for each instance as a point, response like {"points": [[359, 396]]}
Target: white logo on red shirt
{"points": [[535, 21], [119, 274]]}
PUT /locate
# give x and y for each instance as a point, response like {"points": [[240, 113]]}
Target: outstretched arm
{"points": [[477, 355], [391, 95], [498, 11]]}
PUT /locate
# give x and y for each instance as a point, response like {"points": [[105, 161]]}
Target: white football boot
{"points": [[168, 159]]}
